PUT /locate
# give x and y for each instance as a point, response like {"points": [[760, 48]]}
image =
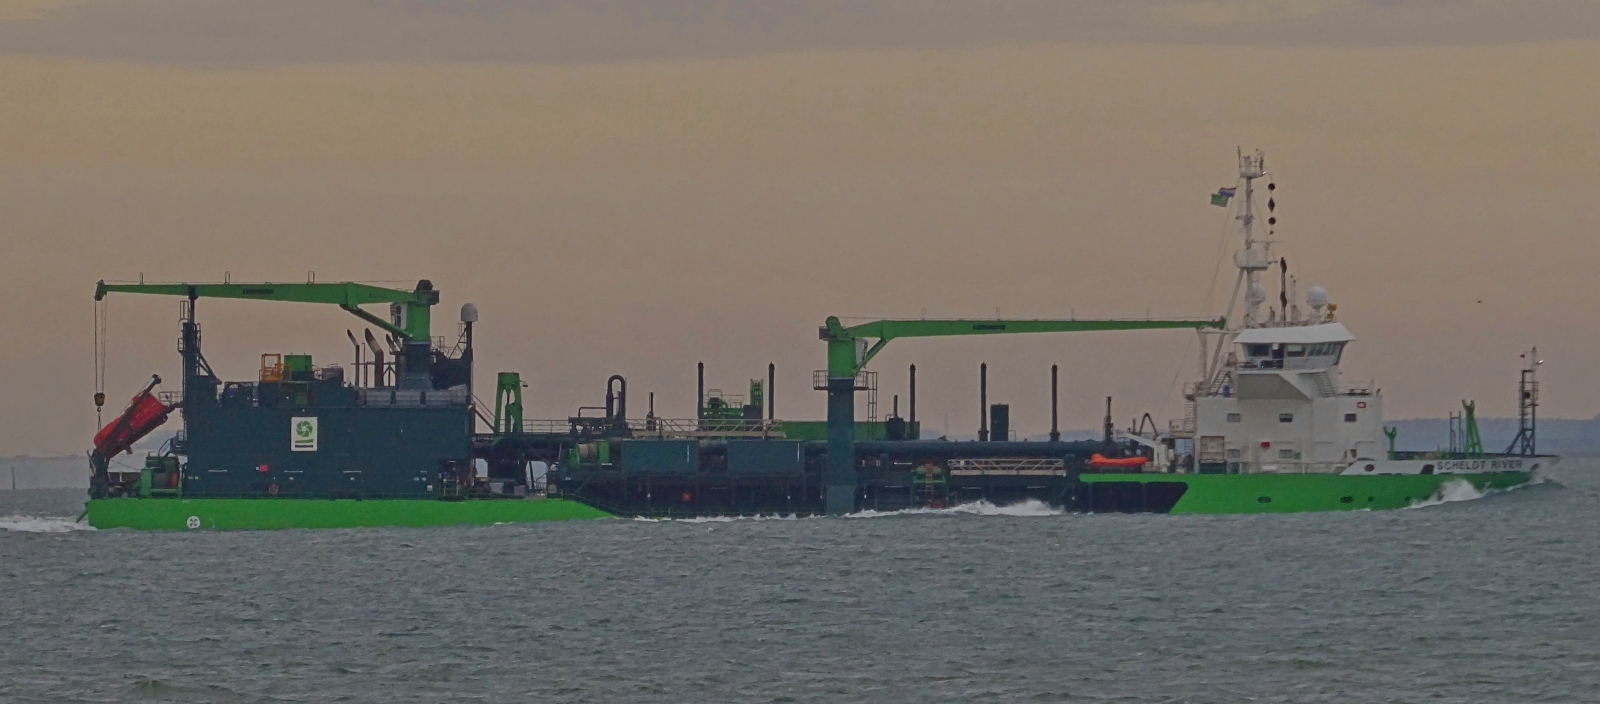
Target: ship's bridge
{"points": [[1293, 347], [1284, 410]]}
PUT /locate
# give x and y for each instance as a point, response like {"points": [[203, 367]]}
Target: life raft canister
{"points": [[1099, 460]]}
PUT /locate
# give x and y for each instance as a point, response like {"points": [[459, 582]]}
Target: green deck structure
{"points": [[1288, 493]]}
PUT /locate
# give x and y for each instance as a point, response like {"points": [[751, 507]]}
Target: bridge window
{"points": [[1234, 418], [1349, 417], [1285, 417], [1257, 350], [1294, 350]]}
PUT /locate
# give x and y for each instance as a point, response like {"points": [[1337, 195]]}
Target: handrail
{"points": [[670, 427]]}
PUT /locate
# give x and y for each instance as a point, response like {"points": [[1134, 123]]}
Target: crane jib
{"points": [[413, 321]]}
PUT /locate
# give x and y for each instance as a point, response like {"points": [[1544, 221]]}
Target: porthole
{"points": [[1427, 469], [1369, 468], [1347, 499], [1265, 500]]}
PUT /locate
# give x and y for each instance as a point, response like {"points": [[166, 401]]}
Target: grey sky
{"points": [[233, 33]]}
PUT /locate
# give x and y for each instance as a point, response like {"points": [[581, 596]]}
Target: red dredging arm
{"points": [[144, 414]]}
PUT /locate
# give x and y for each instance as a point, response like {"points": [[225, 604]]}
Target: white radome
{"points": [[1257, 295], [1317, 298]]}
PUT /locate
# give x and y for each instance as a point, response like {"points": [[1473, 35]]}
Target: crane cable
{"points": [[100, 335]]}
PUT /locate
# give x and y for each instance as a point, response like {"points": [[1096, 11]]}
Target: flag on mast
{"points": [[1221, 197]]}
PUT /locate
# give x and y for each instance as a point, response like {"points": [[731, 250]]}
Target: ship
{"points": [[1271, 425], [398, 436]]}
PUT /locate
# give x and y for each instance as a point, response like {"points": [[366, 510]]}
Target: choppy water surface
{"points": [[1489, 600]]}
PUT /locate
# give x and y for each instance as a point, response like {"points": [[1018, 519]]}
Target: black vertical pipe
{"points": [[700, 396], [1110, 433], [897, 405], [772, 381], [1055, 426], [913, 400], [983, 402]]}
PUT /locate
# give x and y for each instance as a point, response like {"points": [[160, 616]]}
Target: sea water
{"points": [[1469, 598]]}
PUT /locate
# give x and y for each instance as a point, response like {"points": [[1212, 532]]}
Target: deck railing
{"points": [[669, 427]]}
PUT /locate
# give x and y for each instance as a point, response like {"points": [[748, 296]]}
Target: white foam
{"points": [[1028, 509], [719, 519], [41, 524], [1451, 492]]}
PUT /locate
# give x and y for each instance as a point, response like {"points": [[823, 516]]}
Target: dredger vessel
{"points": [[399, 438]]}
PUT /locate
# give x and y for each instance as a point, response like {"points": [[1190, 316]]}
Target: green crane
{"points": [[849, 351], [410, 308], [409, 318]]}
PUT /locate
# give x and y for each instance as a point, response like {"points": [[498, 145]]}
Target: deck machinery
{"points": [[401, 423]]}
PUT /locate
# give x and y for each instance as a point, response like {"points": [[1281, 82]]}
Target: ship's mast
{"points": [[1527, 407], [1254, 258], [1251, 261]]}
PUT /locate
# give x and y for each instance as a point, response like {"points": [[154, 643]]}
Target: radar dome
{"points": [[469, 313], [1317, 297], [1256, 295]]}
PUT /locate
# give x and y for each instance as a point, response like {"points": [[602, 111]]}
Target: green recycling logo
{"points": [[303, 434]]}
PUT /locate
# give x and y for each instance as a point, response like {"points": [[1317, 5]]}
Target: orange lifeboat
{"points": [[1099, 460]]}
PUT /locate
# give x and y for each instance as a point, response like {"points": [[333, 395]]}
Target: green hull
{"points": [[1288, 493], [268, 514]]}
